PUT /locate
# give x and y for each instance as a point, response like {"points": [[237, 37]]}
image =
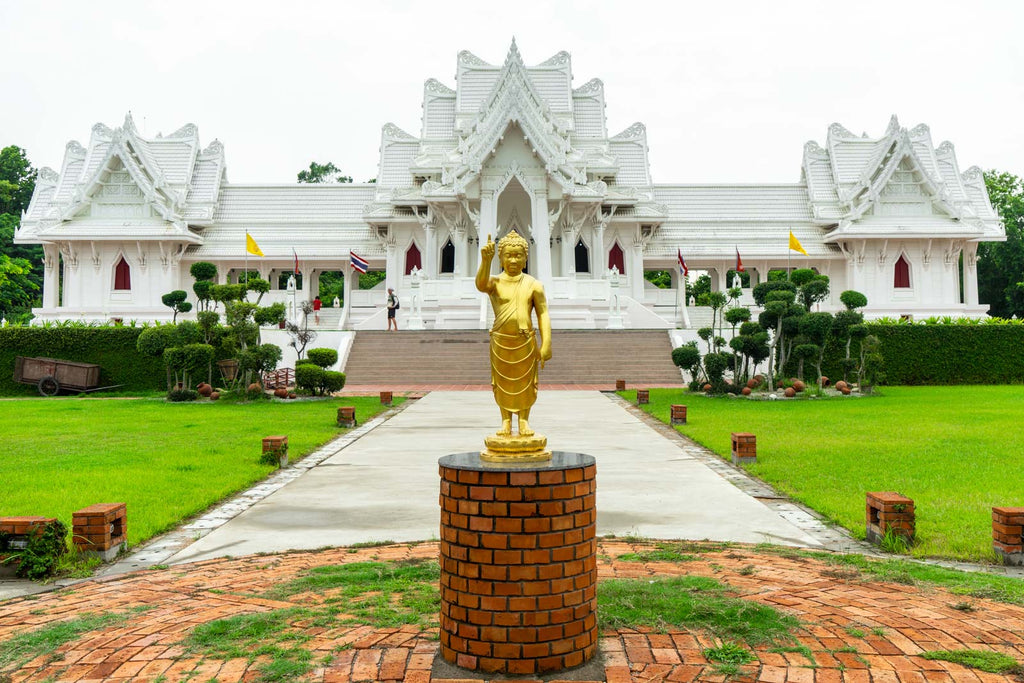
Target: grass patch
{"points": [[657, 555], [27, 645], [377, 593], [945, 447], [690, 602], [374, 593], [983, 660], [852, 567], [167, 461], [728, 658]]}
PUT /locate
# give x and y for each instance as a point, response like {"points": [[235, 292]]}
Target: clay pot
{"points": [[205, 390], [281, 393], [254, 387], [824, 381], [846, 391], [799, 386], [790, 392], [759, 378], [753, 382], [707, 387], [214, 396], [745, 391], [293, 395], [840, 385]]}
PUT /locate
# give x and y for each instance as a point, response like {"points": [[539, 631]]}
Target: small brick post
{"points": [[1008, 534], [620, 385], [385, 397], [888, 511], [744, 448], [347, 416], [100, 529], [275, 448], [18, 530], [518, 564], [678, 415], [643, 396]]}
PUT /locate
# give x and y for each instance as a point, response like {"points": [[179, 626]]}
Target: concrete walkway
{"points": [[384, 486]]}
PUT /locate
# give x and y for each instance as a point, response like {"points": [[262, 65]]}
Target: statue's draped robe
{"points": [[514, 366]]}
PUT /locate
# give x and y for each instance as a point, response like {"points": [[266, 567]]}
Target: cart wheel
{"points": [[48, 386]]}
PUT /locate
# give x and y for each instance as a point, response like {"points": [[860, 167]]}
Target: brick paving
{"points": [[833, 609]]}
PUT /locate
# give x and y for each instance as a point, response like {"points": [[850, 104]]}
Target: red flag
{"points": [[739, 263], [682, 264], [296, 261]]}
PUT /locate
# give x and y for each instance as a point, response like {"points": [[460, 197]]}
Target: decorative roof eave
{"points": [[850, 232], [154, 233], [166, 201], [869, 190], [513, 99]]}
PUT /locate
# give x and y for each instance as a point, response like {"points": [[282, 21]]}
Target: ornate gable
{"points": [[514, 100]]}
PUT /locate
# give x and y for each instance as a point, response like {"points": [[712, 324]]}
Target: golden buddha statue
{"points": [[515, 357]]}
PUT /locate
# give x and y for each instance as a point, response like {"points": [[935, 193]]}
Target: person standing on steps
{"points": [[317, 304], [393, 306]]}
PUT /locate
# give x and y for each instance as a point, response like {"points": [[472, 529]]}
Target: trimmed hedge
{"points": [[112, 348], [951, 354], [939, 354]]}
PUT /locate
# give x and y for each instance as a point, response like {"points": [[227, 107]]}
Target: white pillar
{"points": [[636, 266], [598, 256], [971, 274], [568, 254], [430, 264], [51, 276], [460, 240], [392, 270], [542, 236]]}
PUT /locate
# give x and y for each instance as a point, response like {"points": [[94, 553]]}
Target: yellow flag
{"points": [[251, 246], [794, 244]]}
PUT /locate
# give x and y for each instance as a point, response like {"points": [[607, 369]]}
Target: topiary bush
{"points": [[333, 381], [309, 377], [325, 358], [182, 395]]}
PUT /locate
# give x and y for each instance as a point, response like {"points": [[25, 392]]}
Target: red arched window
{"points": [[901, 280], [122, 275], [617, 258], [412, 258]]}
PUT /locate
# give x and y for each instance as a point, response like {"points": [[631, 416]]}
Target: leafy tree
{"points": [[21, 278], [687, 357], [1001, 264], [701, 286], [176, 301], [662, 279], [323, 173], [17, 180], [16, 286], [332, 284], [817, 327]]}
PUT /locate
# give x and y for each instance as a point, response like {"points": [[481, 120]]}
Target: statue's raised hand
{"points": [[487, 251]]}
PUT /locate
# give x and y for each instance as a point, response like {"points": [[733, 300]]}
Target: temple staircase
{"points": [[461, 357]]}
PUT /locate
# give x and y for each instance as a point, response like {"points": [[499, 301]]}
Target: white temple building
{"points": [[510, 146]]}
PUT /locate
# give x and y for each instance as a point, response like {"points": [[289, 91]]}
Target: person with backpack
{"points": [[393, 306]]}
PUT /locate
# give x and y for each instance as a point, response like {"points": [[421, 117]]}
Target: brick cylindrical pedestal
{"points": [[518, 563]]}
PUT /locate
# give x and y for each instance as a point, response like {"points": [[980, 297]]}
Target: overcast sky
{"points": [[729, 91]]}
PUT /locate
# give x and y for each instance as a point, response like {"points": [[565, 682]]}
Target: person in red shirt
{"points": [[316, 309]]}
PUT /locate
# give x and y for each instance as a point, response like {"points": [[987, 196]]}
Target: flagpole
{"points": [[246, 276]]}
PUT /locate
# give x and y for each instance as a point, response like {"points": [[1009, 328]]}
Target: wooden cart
{"points": [[51, 375]]}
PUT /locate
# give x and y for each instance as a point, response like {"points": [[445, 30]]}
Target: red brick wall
{"points": [[518, 569]]}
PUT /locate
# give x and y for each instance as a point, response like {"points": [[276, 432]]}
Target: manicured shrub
{"points": [[686, 356], [181, 395], [853, 299], [333, 381], [309, 377], [325, 358]]}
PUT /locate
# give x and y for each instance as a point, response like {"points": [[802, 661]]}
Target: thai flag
{"points": [[358, 263], [682, 264]]}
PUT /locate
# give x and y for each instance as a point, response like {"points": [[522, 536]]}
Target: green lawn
{"points": [[954, 450], [167, 461]]}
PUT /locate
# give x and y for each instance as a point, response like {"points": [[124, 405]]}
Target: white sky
{"points": [[729, 91]]}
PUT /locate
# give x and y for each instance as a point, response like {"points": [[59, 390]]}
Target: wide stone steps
{"points": [[462, 357]]}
